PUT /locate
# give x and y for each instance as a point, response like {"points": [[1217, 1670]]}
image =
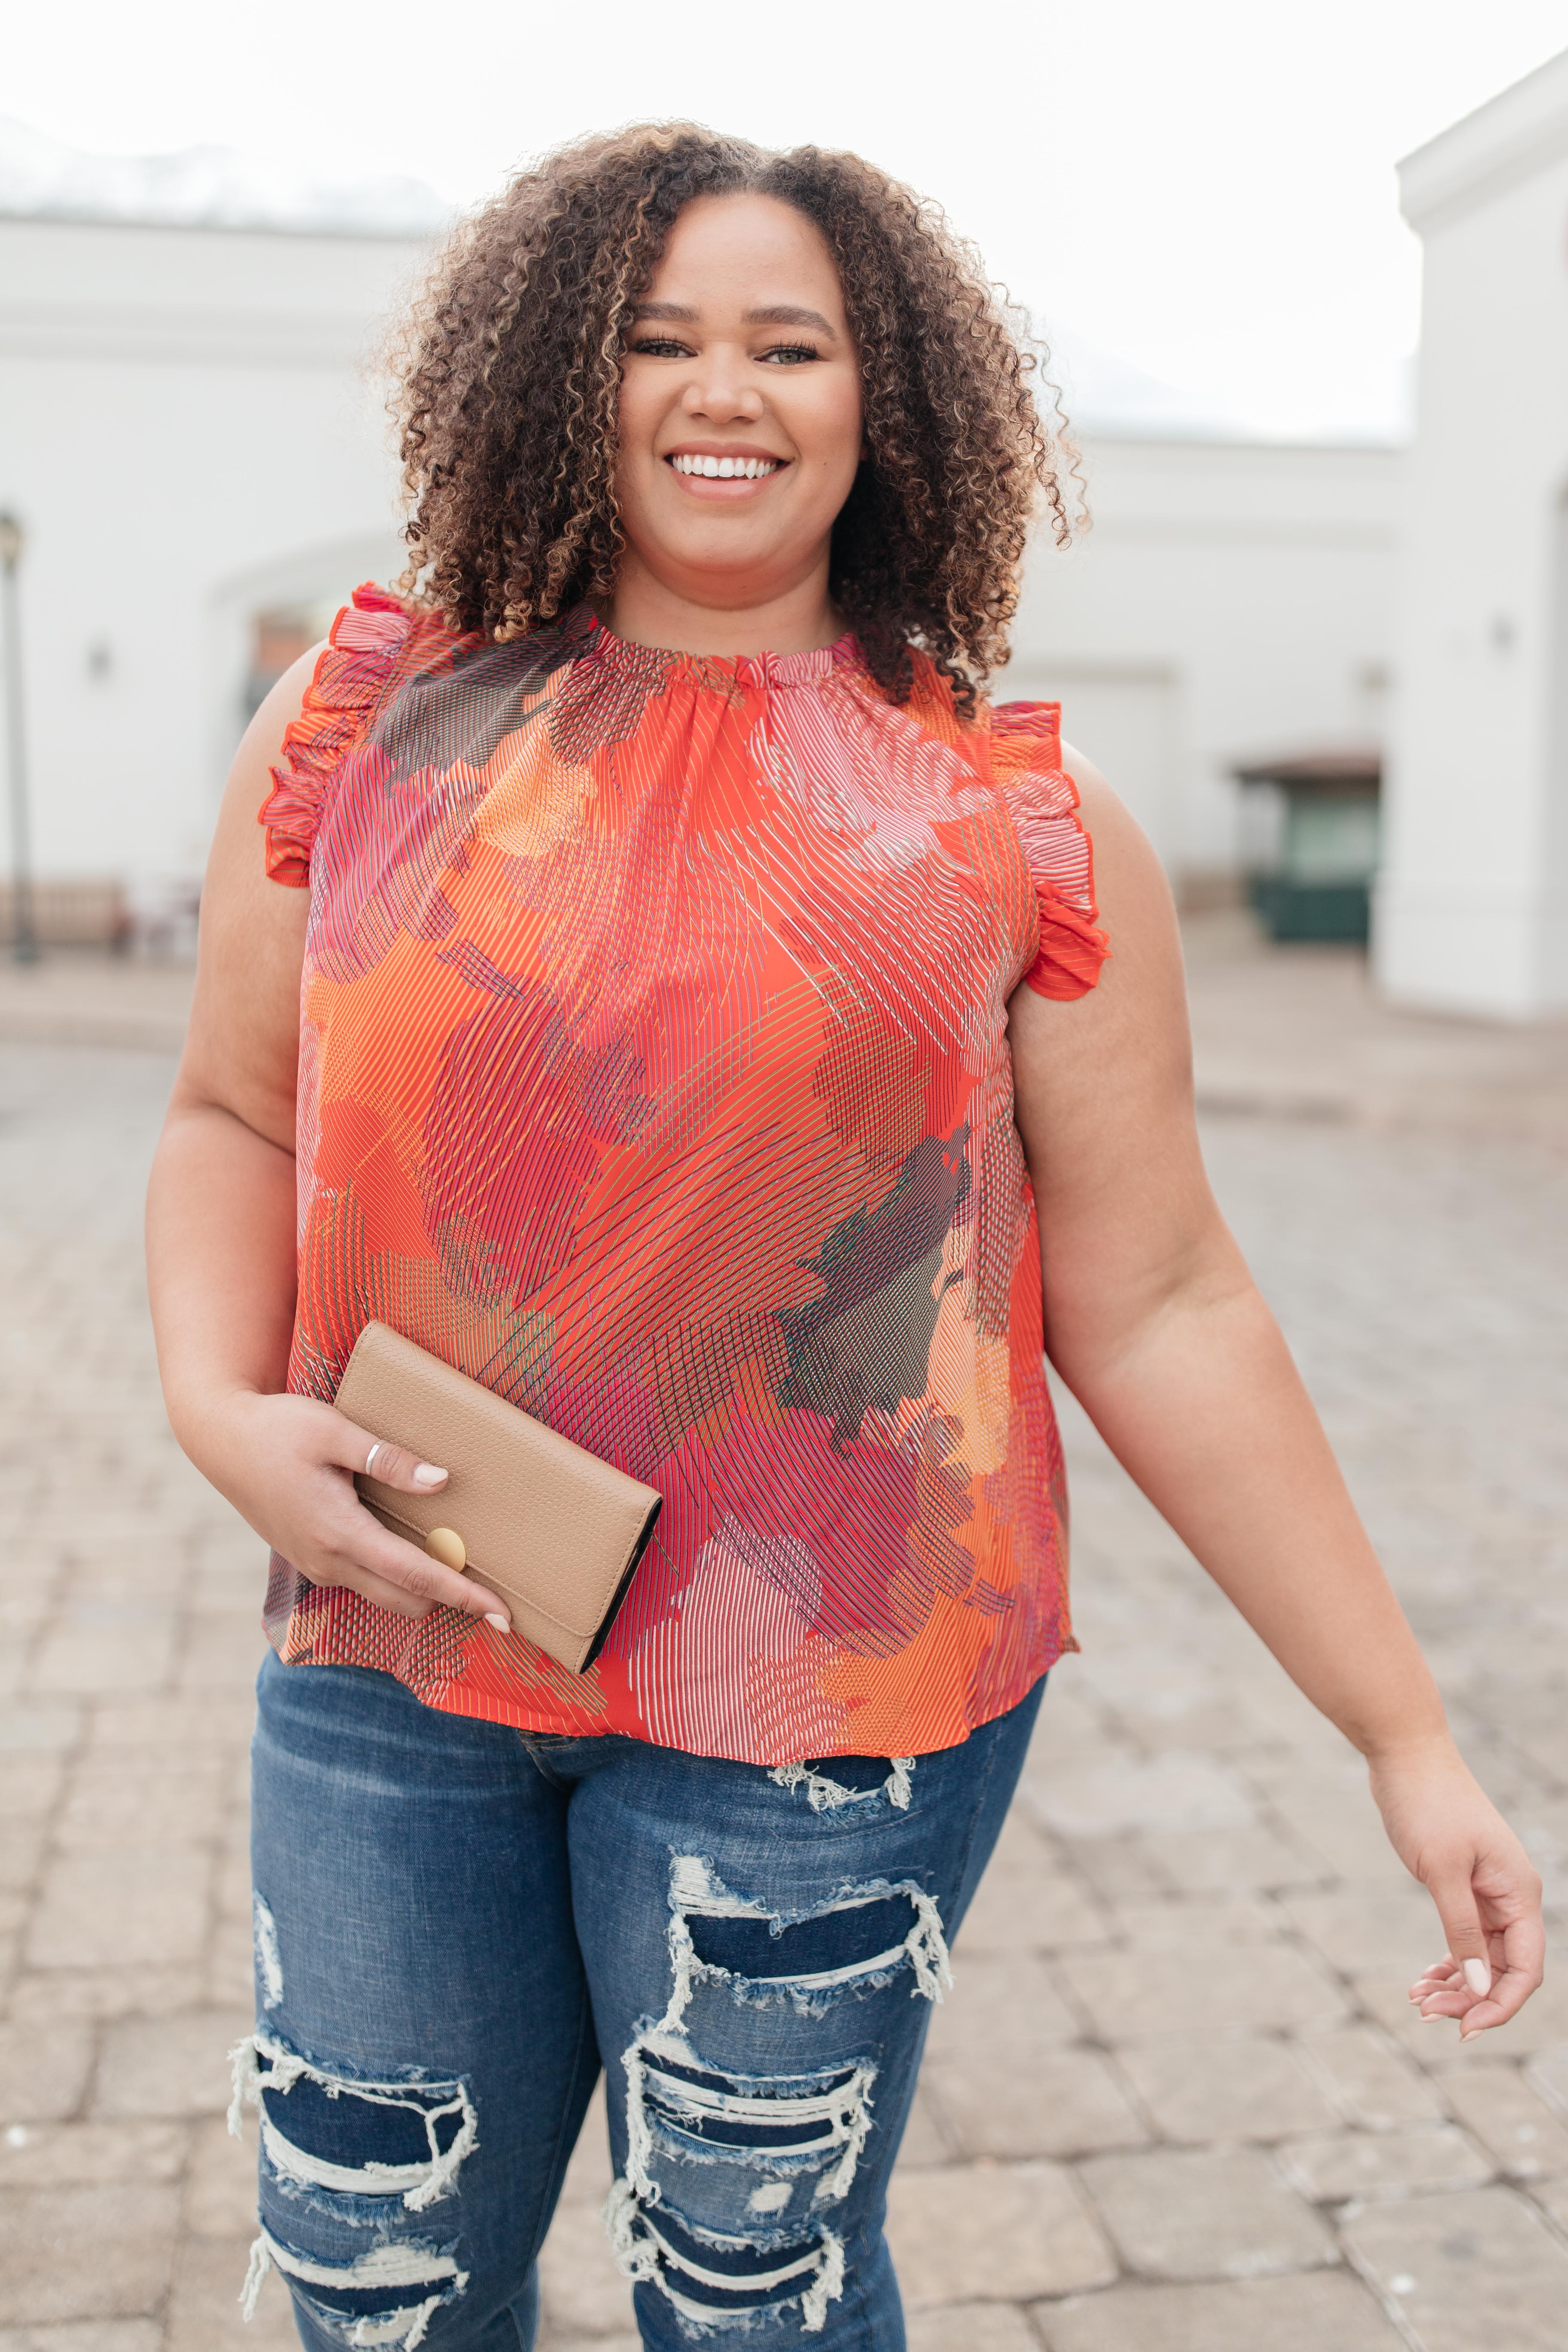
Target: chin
{"points": [[723, 553]]}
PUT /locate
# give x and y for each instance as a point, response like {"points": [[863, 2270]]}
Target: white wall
{"points": [[1473, 909], [188, 434], [1232, 598]]}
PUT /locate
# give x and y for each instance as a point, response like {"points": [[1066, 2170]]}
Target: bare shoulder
{"points": [[1128, 876], [1104, 1074], [261, 745], [1142, 976], [242, 1051]]}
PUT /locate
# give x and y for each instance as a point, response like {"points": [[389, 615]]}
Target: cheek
{"points": [[634, 416], [636, 422], [844, 428], [826, 425]]}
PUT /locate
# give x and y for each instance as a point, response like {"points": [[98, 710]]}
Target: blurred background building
{"points": [[1473, 902], [192, 438], [1230, 609], [191, 430]]}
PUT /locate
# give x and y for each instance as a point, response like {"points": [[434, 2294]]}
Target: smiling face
{"points": [[738, 424]]}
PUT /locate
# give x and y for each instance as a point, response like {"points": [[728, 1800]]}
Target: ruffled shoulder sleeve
{"points": [[1042, 799], [363, 656]]}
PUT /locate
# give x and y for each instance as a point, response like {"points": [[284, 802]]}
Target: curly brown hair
{"points": [[509, 375]]}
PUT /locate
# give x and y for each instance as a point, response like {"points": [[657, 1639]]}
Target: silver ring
{"points": [[370, 1458]]}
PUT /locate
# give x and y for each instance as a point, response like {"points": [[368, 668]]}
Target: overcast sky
{"points": [[1201, 189]]}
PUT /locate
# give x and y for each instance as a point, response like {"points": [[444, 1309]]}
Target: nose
{"points": [[721, 392]]}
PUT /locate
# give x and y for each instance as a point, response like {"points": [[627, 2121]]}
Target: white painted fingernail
{"points": [[427, 1475], [501, 1624], [1478, 1977]]}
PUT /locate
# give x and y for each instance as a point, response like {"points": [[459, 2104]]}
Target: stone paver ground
{"points": [[1177, 2101]]}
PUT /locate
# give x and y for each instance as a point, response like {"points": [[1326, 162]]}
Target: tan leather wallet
{"points": [[552, 1528]]}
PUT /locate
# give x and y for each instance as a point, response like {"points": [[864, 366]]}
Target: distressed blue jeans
{"points": [[457, 1925]]}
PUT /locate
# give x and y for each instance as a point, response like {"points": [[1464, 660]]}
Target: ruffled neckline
{"points": [[722, 674]]}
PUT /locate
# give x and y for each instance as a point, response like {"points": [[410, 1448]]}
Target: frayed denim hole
{"points": [[404, 2328], [711, 2120], [845, 1798], [758, 2086], [348, 2131], [833, 1940], [270, 2076], [723, 2204], [357, 2302], [867, 1776], [728, 2135], [685, 2136], [705, 2250], [386, 2296], [291, 2208], [713, 2297], [268, 1959]]}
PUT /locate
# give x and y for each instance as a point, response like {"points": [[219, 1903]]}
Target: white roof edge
{"points": [[213, 188], [1521, 131], [344, 231]]}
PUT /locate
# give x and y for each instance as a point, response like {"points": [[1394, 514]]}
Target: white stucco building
{"points": [[1232, 599], [1473, 905], [190, 429], [187, 432]]}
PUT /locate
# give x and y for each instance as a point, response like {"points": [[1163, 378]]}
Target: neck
{"points": [[799, 619]]}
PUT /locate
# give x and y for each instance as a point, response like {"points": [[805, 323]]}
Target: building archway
{"points": [[261, 619]]}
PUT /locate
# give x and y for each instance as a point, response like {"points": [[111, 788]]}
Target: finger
{"points": [[396, 1467], [1523, 1957], [406, 1566], [359, 1545], [1435, 1979], [389, 1593], [1452, 2006], [1449, 1996], [348, 1579], [377, 1457], [1505, 1999], [1456, 1901]]}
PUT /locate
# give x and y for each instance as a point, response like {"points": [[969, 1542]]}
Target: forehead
{"points": [[738, 251]]}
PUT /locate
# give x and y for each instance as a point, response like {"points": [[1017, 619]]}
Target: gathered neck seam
{"points": [[715, 673]]}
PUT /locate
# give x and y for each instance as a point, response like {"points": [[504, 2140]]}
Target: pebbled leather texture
{"points": [[552, 1528]]}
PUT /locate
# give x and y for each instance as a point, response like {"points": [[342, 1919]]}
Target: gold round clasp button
{"points": [[446, 1545]]}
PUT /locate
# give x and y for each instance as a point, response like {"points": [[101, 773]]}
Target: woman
{"points": [[703, 1042]]}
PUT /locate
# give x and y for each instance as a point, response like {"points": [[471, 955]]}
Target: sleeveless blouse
{"points": [[654, 1071]]}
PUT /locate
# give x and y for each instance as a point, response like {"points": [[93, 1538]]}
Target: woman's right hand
{"points": [[288, 1463]]}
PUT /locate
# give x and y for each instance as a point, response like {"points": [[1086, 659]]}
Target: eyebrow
{"points": [[776, 314], [785, 314]]}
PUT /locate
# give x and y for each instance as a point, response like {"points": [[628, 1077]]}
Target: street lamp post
{"points": [[25, 939]]}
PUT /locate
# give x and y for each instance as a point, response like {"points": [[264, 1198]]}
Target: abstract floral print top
{"points": [[654, 1071]]}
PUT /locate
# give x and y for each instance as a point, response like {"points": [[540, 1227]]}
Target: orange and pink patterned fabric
{"points": [[654, 1071]]}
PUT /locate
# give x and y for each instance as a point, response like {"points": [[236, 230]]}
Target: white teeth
{"points": [[726, 469]]}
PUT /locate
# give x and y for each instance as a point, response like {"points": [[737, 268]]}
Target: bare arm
{"points": [[1156, 1324], [221, 1233]]}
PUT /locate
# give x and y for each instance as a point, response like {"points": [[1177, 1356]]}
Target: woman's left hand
{"points": [[1450, 1837]]}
